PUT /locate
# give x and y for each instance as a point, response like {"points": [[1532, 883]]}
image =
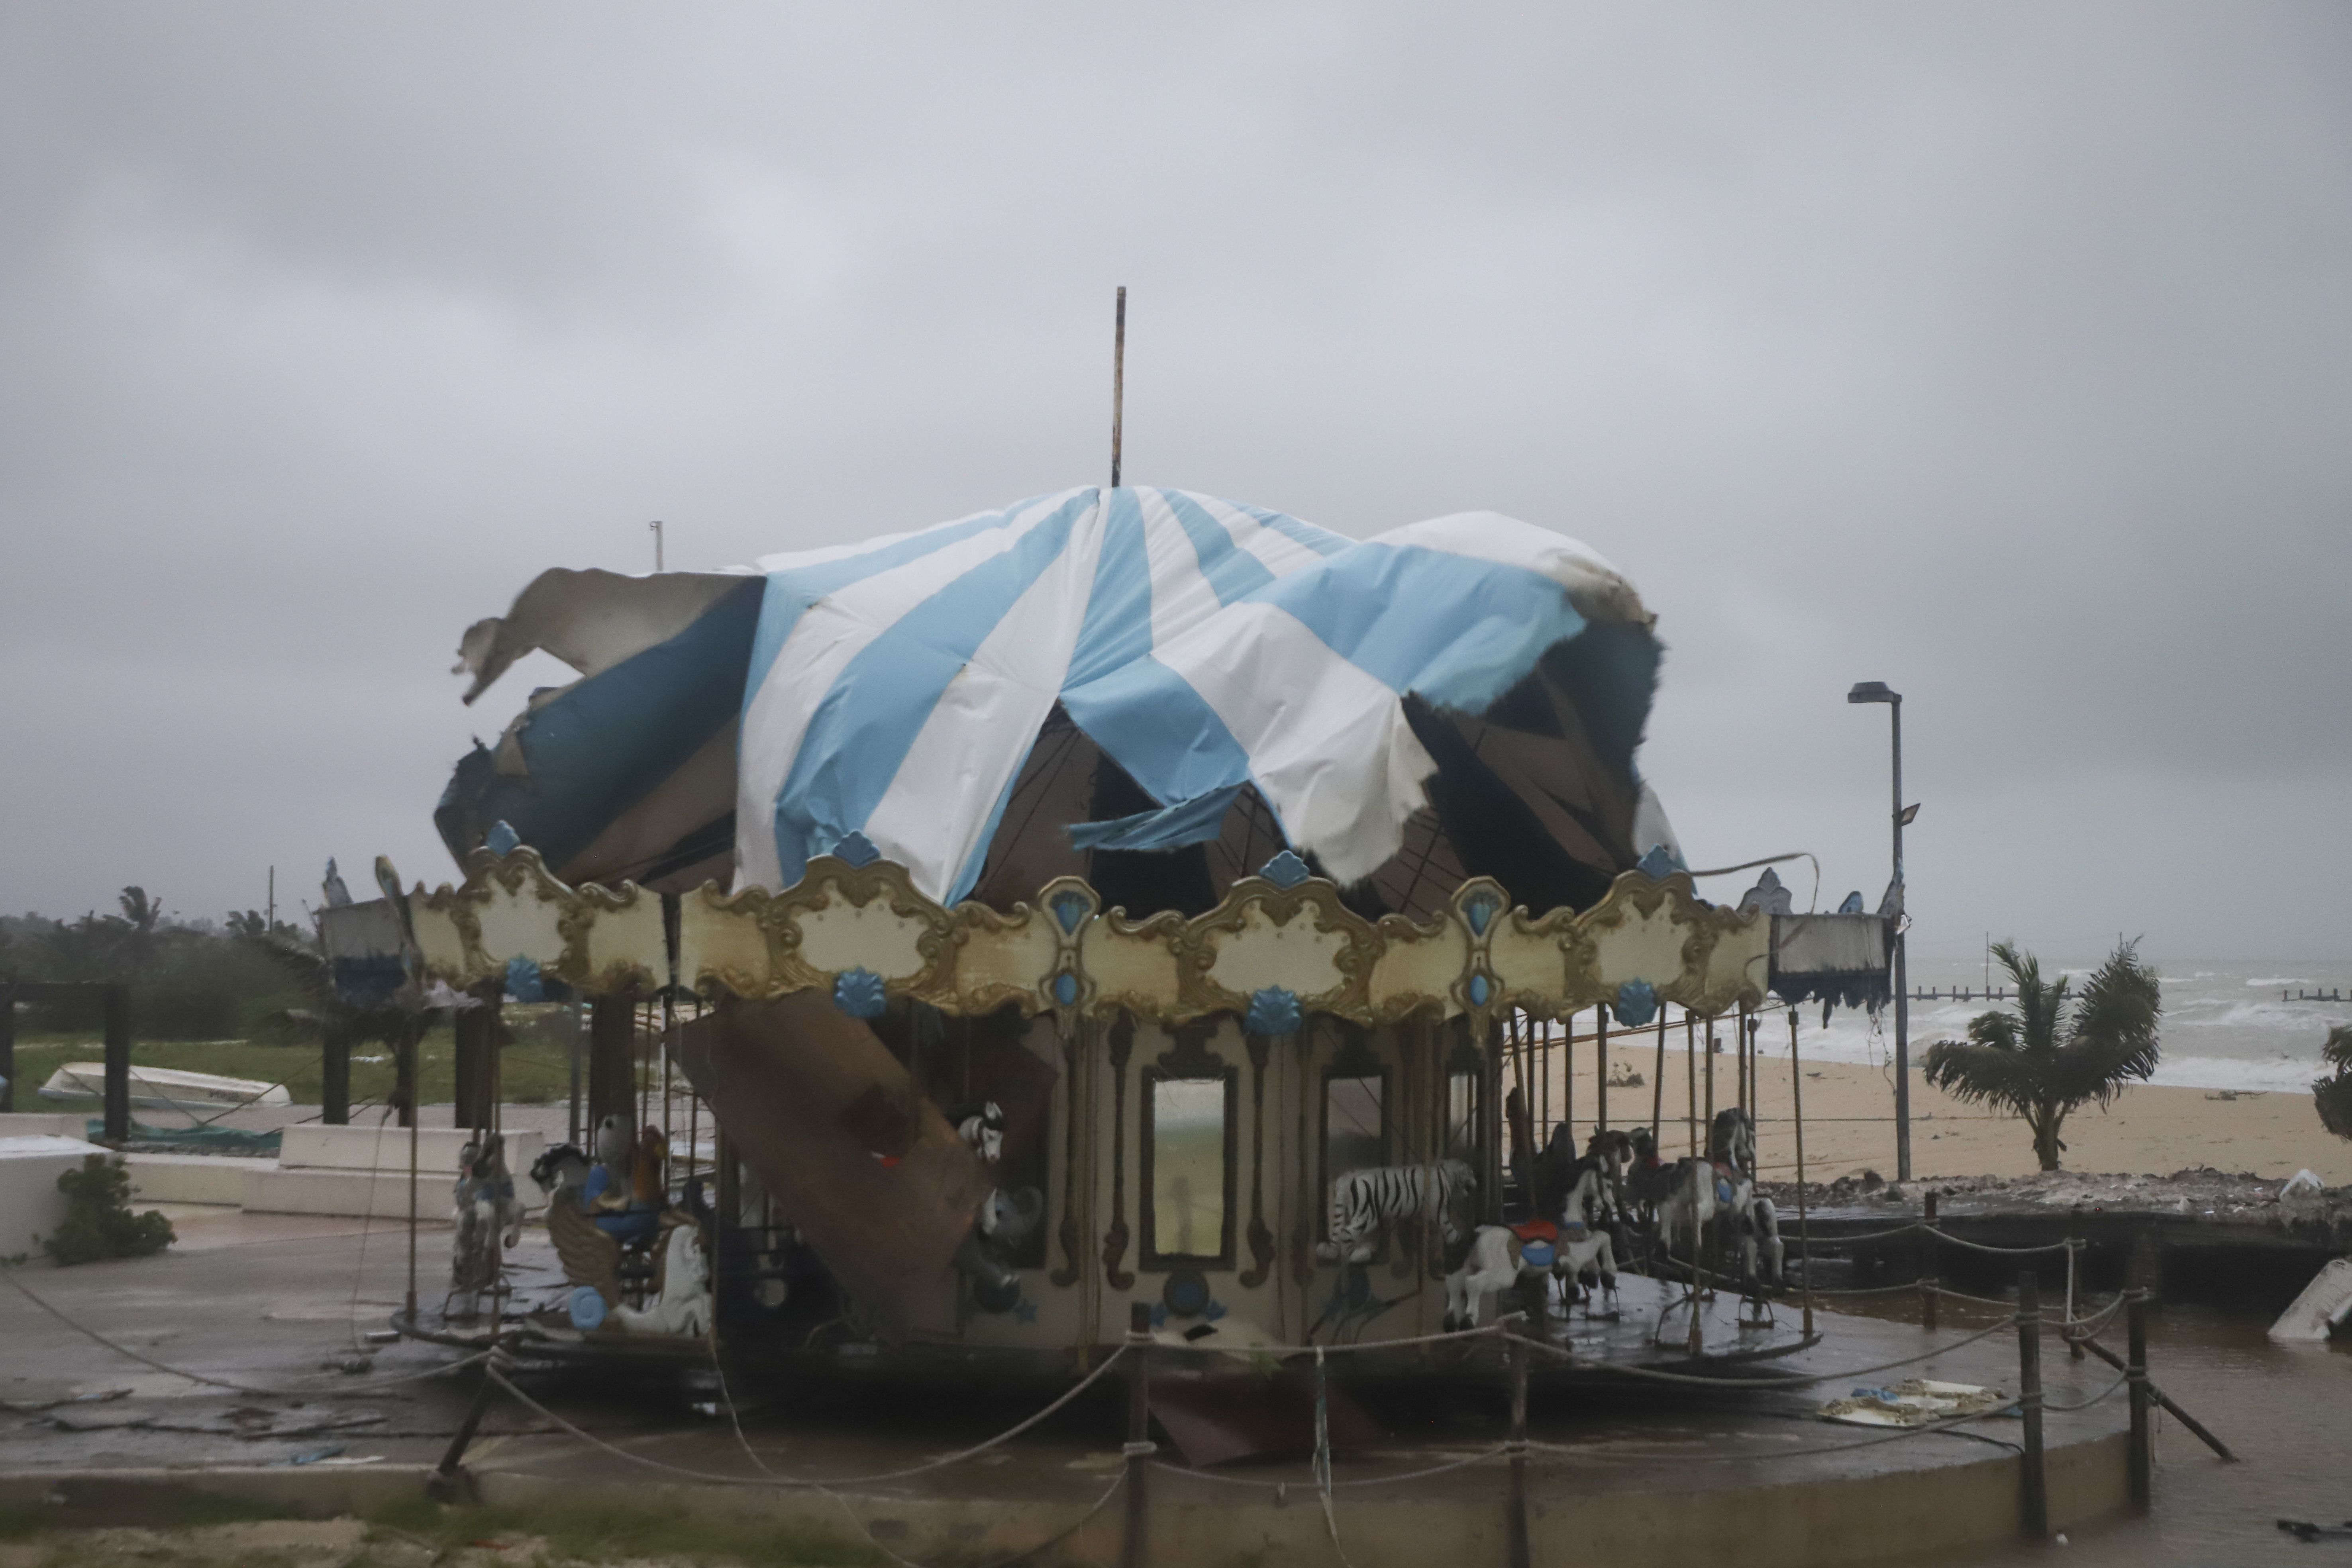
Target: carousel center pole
{"points": [[1117, 385]]}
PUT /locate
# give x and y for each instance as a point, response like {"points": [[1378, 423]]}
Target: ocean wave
{"points": [[2269, 1018], [2276, 1076], [2280, 980]]}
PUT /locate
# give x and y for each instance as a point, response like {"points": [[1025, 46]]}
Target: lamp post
{"points": [[1880, 692]]}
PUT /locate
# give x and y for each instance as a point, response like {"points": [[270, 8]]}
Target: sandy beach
{"points": [[1849, 1122]]}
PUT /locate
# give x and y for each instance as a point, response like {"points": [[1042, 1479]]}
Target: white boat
{"points": [[163, 1089]]}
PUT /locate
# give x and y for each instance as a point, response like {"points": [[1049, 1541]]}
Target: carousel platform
{"points": [[1646, 1327]]}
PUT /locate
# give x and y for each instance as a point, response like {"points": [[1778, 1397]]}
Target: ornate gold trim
{"points": [[1098, 964], [1197, 951]]}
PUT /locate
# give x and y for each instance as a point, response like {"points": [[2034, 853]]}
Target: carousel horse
{"points": [[1592, 1189], [1680, 1196], [1752, 1223], [486, 1207], [982, 1127], [1500, 1255]]}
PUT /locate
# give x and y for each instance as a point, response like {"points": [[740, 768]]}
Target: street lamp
{"points": [[1880, 692]]}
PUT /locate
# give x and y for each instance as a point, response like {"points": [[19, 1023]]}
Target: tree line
{"points": [[188, 980]]}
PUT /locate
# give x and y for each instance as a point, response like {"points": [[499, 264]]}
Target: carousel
{"points": [[1125, 898]]}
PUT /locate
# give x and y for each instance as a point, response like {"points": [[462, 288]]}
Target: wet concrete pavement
{"points": [[279, 1303]]}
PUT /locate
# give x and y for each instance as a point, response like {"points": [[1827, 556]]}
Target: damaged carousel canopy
{"points": [[1155, 689]]}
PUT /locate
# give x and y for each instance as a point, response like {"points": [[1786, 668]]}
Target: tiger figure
{"points": [[1363, 1200]]}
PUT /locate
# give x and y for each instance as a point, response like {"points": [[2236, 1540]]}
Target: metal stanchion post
{"points": [[116, 1002], [1518, 1521], [1138, 1431], [1696, 1343], [449, 1482], [2141, 1457], [2074, 1251], [1797, 1113], [1927, 1280], [412, 1044], [2034, 1484]]}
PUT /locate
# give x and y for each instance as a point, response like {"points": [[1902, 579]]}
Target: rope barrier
{"points": [[1055, 1539], [1871, 1235], [1921, 1430], [1457, 1337], [1795, 1381], [2121, 1378], [770, 1479], [2068, 1245], [1477, 1458], [1907, 1285], [735, 1419], [1798, 1454], [345, 1386], [1323, 1460], [1938, 1231], [2059, 1320]]}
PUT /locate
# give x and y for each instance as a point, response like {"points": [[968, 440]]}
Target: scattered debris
{"points": [[2302, 1203], [1914, 1402]]}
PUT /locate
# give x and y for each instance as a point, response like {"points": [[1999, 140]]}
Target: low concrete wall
{"points": [[1761, 1524], [363, 1170], [87, 1498], [31, 1206], [43, 1124], [191, 1178], [364, 1146]]}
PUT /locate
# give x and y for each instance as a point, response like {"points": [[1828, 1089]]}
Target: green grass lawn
{"points": [[535, 1070]]}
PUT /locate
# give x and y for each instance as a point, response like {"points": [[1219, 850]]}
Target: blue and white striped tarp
{"points": [[896, 686]]}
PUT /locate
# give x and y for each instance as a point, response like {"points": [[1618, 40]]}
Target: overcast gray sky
{"points": [[2003, 353]]}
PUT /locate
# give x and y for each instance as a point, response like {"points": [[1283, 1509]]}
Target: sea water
{"points": [[2225, 1025]]}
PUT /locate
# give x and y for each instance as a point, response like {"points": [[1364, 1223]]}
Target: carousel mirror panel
{"points": [[1188, 1169]]}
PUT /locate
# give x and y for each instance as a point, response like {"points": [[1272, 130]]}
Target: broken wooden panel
{"points": [[865, 1164]]}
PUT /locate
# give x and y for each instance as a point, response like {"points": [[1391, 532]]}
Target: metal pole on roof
{"points": [[1880, 692], [1118, 383], [657, 528]]}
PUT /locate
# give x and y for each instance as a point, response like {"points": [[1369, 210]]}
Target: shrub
{"points": [[99, 1223]]}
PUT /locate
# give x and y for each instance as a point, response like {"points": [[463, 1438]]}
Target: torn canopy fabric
{"points": [[1152, 687]]}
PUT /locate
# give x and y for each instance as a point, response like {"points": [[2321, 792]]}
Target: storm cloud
{"points": [[2002, 354]]}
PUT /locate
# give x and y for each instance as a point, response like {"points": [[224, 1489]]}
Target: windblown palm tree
{"points": [[2333, 1096], [2056, 1051]]}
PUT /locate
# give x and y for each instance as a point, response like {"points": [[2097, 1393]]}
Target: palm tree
{"points": [[2333, 1096], [2056, 1051]]}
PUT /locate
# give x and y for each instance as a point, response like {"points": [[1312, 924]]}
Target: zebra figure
{"points": [[1363, 1200]]}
